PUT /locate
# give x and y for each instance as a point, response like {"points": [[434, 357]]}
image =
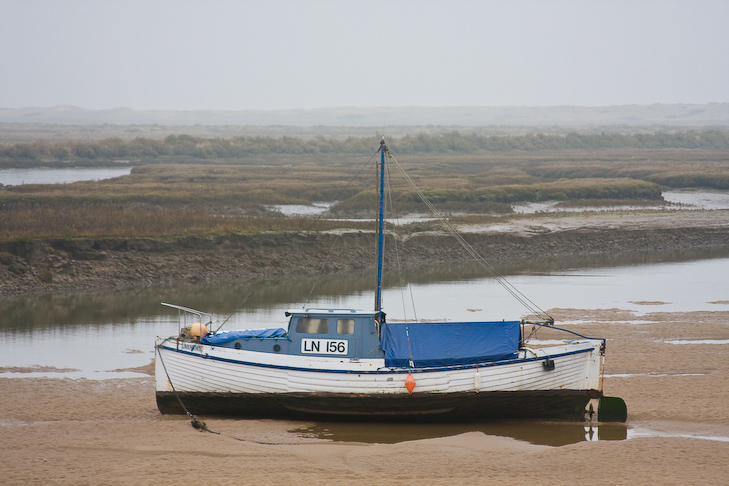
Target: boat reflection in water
{"points": [[549, 433]]}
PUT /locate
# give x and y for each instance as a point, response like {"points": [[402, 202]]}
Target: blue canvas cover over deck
{"points": [[448, 343], [225, 336]]}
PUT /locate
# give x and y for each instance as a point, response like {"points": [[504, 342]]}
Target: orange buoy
{"points": [[198, 331], [410, 383]]}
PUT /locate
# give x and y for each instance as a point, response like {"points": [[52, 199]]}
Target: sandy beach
{"points": [[87, 432]]}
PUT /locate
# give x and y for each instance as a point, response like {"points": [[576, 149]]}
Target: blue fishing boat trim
{"points": [[195, 351]]}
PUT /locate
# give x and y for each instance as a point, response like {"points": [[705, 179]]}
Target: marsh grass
{"points": [[183, 199], [112, 220]]}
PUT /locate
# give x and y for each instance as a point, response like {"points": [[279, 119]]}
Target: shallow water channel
{"points": [[45, 175], [103, 335], [95, 334]]}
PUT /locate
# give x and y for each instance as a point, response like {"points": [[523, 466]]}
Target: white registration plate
{"points": [[324, 346]]}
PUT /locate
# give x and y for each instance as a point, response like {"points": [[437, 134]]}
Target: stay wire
{"points": [[336, 198], [397, 250], [321, 271], [399, 270], [331, 250], [236, 310], [520, 297], [336, 240]]}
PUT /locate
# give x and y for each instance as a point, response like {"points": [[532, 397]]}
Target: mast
{"points": [[380, 232]]}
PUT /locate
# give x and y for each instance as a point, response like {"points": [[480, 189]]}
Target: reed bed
{"points": [[181, 199], [112, 220]]}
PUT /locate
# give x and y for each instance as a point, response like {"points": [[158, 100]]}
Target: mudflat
{"points": [[69, 265], [86, 432]]}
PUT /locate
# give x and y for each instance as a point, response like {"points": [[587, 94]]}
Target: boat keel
{"points": [[548, 404]]}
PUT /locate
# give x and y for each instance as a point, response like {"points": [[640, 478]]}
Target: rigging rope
{"points": [[521, 298], [236, 310], [397, 254], [336, 198], [399, 272], [324, 265], [319, 216]]}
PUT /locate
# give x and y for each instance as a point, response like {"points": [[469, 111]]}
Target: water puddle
{"points": [[74, 374], [319, 208], [557, 207], [644, 302], [549, 342], [45, 175], [677, 199], [539, 433], [694, 199], [554, 434], [652, 375], [638, 433], [697, 341], [300, 209], [600, 320]]}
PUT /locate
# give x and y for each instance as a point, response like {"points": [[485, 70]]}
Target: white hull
{"points": [[206, 374]]}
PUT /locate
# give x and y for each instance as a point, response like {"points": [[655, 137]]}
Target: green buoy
{"points": [[612, 409]]}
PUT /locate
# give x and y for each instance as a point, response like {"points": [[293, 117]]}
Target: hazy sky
{"points": [[278, 54]]}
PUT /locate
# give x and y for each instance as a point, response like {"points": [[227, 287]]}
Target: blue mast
{"points": [[380, 231]]}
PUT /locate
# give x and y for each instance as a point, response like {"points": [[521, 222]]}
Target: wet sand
{"points": [[85, 432]]}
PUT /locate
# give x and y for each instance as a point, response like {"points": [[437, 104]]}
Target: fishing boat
{"points": [[355, 364]]}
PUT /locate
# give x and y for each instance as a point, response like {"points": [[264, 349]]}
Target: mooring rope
{"points": [[198, 424], [194, 421]]}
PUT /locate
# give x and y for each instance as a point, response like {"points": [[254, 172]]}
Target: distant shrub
{"points": [[186, 148]]}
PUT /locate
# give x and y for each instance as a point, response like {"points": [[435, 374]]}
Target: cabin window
{"points": [[308, 325], [345, 326]]}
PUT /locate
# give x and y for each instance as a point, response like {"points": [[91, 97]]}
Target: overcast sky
{"points": [[280, 54]]}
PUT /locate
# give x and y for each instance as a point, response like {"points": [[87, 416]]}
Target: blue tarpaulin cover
{"points": [[225, 336], [448, 343]]}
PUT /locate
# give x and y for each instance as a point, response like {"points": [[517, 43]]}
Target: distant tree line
{"points": [[181, 148]]}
